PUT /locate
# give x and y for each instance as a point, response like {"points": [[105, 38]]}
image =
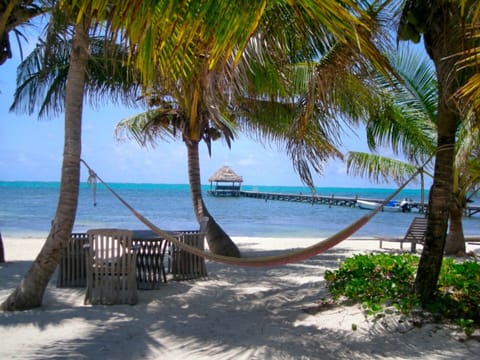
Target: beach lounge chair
{"points": [[414, 235], [416, 232], [72, 269], [184, 265], [111, 261]]}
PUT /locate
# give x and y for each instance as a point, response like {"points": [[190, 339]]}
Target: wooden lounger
{"points": [[414, 235]]}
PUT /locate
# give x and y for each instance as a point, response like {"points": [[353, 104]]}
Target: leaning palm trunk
{"points": [[29, 293], [218, 240]]}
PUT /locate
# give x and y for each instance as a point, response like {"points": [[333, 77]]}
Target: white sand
{"points": [[237, 313]]}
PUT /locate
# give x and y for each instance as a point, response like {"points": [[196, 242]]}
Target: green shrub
{"points": [[384, 279], [458, 295]]}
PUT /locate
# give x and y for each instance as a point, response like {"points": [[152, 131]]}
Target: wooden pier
{"points": [[330, 200], [310, 199]]}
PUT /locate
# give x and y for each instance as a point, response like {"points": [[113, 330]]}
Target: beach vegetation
{"points": [[378, 281]]}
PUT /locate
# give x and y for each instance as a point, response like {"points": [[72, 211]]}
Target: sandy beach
{"points": [[236, 313]]}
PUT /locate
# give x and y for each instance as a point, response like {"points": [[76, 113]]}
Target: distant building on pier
{"points": [[225, 182]]}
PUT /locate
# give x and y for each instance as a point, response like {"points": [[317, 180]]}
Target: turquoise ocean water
{"points": [[27, 209]]}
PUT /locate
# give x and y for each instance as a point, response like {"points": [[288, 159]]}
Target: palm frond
{"points": [[378, 169], [149, 127], [41, 78], [273, 122], [406, 117]]}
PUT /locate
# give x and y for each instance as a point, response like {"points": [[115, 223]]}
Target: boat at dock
{"points": [[391, 206]]}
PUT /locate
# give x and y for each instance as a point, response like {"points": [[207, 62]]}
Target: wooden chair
{"points": [[416, 232], [111, 260], [72, 269], [414, 235], [184, 265]]}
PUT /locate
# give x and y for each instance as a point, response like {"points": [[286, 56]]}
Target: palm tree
{"points": [[407, 122], [43, 82], [440, 22], [169, 119], [29, 293], [259, 100]]}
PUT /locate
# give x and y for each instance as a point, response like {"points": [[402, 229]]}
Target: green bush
{"points": [[383, 279]]}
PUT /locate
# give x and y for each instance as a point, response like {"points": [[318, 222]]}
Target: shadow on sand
{"points": [[236, 313]]}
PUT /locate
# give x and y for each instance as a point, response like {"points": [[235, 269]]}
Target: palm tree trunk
{"points": [[455, 244], [218, 240], [443, 37], [438, 212], [29, 293]]}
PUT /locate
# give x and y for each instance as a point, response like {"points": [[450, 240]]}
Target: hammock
{"points": [[265, 261]]}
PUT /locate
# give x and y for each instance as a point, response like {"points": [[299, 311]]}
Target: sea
{"points": [[27, 209]]}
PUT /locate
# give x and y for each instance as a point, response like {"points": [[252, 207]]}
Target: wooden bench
{"points": [[72, 269], [187, 266], [414, 235], [184, 265]]}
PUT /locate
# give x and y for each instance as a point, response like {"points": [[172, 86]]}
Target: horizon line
{"points": [[373, 186]]}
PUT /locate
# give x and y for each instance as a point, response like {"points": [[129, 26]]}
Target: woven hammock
{"points": [[265, 261]]}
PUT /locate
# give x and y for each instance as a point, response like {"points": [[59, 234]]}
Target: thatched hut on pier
{"points": [[225, 182]]}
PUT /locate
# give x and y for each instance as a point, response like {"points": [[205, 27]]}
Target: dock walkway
{"points": [[310, 199], [330, 200]]}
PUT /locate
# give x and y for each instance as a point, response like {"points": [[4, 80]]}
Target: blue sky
{"points": [[31, 150]]}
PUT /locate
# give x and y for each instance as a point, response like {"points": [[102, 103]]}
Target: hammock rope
{"points": [[264, 261], [92, 180]]}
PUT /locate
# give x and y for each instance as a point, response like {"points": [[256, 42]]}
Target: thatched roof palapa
{"points": [[225, 174]]}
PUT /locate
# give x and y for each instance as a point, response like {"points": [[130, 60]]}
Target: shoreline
{"points": [[235, 313]]}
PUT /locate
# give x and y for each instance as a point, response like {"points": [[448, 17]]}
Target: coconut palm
{"points": [[55, 73], [169, 119], [408, 124], [440, 23], [29, 293], [282, 119]]}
